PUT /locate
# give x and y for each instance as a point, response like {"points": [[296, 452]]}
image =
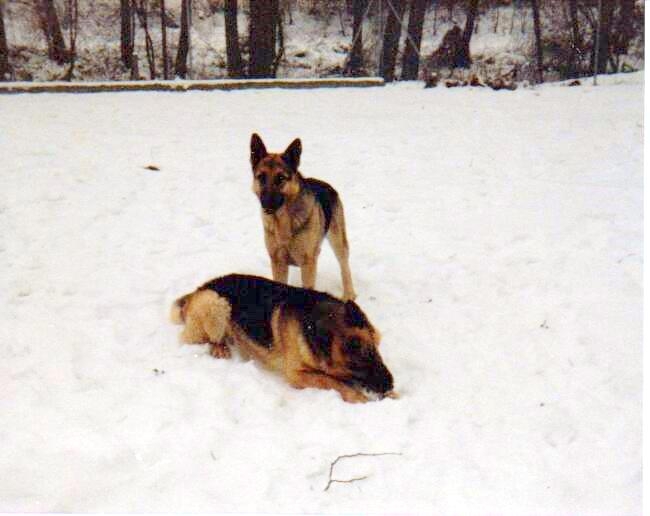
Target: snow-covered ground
{"points": [[496, 242]]}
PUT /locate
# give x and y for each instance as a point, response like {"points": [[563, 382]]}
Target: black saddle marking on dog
{"points": [[253, 300], [325, 195]]}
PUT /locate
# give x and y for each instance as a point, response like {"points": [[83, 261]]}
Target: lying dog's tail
{"points": [[177, 313]]}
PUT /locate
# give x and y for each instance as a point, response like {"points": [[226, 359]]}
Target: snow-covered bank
{"points": [[496, 242], [186, 85]]}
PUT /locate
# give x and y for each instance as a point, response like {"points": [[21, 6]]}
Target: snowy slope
{"points": [[496, 242]]}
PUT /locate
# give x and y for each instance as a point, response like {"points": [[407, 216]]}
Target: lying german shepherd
{"points": [[311, 338], [297, 214]]}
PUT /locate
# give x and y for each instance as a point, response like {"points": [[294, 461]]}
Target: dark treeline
{"points": [[581, 38]]}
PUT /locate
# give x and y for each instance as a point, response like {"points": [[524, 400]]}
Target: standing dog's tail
{"points": [[177, 313]]}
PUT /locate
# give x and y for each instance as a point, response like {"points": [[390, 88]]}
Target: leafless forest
{"points": [[534, 40]]}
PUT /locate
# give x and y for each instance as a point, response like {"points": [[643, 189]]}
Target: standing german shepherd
{"points": [[297, 214], [311, 338]]}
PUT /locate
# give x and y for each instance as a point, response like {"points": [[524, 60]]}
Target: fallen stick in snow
{"points": [[331, 480]]}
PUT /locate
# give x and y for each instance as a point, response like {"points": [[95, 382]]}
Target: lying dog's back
{"points": [[253, 300]]}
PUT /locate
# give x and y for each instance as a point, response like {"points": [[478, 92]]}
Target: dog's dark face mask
{"points": [[366, 367], [275, 176], [271, 201], [349, 343]]}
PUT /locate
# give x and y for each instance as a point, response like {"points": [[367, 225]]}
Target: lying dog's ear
{"points": [[318, 336], [317, 324], [258, 150], [291, 156], [354, 316]]}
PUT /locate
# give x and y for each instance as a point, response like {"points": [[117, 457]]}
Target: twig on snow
{"points": [[331, 480], [349, 481]]}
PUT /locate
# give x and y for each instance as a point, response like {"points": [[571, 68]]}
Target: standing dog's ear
{"points": [[258, 150], [291, 156]]}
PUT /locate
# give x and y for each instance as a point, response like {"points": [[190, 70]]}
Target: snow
{"points": [[496, 242]]}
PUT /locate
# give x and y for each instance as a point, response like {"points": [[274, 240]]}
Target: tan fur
{"points": [[176, 313], [295, 232], [207, 320]]}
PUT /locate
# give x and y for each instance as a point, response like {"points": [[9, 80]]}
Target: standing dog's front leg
{"points": [[279, 257], [308, 272], [280, 267]]}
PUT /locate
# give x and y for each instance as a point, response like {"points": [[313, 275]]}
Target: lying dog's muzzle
{"points": [[377, 379], [271, 201]]}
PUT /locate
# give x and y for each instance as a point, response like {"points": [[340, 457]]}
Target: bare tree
{"points": [[143, 16], [606, 14], [49, 21], [5, 66], [163, 33], [263, 19], [512, 15], [411, 57], [126, 32], [435, 17], [73, 26], [625, 26], [392, 33], [464, 59], [183, 40], [354, 66], [538, 41], [576, 44], [279, 54], [233, 52]]}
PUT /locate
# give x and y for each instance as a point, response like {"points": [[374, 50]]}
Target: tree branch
{"points": [[340, 457]]}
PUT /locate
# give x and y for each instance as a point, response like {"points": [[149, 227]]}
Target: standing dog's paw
{"points": [[349, 296], [219, 350]]}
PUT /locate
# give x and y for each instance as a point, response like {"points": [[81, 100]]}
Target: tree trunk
{"points": [[73, 20], [5, 67], [464, 59], [280, 51], [143, 15], [392, 33], [262, 24], [435, 17], [411, 57], [606, 14], [183, 41], [575, 38], [354, 66], [538, 41], [233, 53], [625, 26], [52, 30], [163, 30], [126, 32]]}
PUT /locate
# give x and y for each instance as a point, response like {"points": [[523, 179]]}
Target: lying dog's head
{"points": [[345, 342], [275, 176]]}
